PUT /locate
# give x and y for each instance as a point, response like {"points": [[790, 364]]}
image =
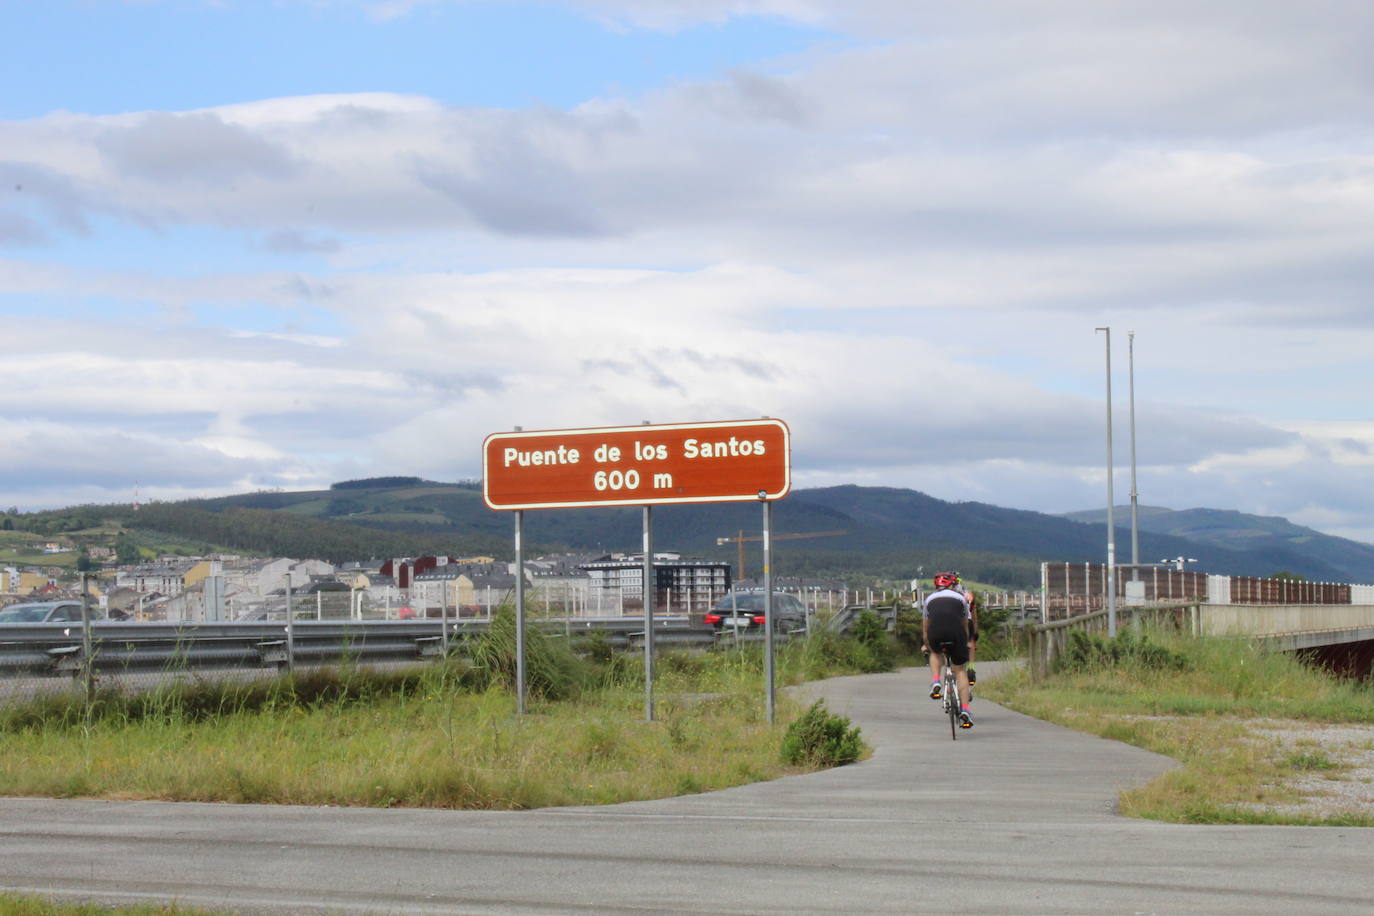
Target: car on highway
{"points": [[48, 612], [742, 612]]}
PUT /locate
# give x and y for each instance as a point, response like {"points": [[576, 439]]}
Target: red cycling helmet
{"points": [[946, 579]]}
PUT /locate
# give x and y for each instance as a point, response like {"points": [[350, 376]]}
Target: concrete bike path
{"points": [[1015, 816]]}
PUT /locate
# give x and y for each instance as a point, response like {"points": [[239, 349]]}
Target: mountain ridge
{"points": [[878, 521], [888, 532], [1229, 528]]}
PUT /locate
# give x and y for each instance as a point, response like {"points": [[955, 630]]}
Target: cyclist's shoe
{"points": [[972, 675], [936, 690], [965, 720]]}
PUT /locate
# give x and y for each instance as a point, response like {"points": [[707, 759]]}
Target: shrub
{"points": [[997, 639], [907, 630], [1086, 652], [821, 738], [596, 646], [876, 652]]}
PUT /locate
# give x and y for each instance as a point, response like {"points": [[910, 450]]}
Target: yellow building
{"points": [[30, 582], [199, 573]]}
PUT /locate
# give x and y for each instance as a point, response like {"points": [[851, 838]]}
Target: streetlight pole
{"points": [[1111, 501], [1135, 496]]}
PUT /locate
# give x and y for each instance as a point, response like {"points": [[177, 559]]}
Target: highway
{"points": [[1017, 816]]}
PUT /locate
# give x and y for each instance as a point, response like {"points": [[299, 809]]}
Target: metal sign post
{"points": [[650, 583], [520, 612], [769, 680]]}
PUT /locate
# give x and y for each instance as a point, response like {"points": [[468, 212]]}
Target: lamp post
{"points": [[1111, 501], [1135, 520]]}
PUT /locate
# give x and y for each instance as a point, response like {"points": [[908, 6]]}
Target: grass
{"points": [[17, 548], [440, 736], [1204, 715], [443, 748], [28, 905]]}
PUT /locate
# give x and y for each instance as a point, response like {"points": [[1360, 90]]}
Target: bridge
{"points": [[1332, 624], [1299, 626], [1340, 638]]}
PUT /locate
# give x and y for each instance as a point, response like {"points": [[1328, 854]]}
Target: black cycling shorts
{"points": [[948, 624]]}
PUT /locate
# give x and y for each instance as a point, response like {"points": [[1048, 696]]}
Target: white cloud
{"points": [[901, 246], [38, 454]]}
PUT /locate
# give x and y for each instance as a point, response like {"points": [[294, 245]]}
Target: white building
{"points": [[166, 577], [681, 585]]}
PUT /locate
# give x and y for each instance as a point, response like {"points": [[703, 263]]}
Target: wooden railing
{"points": [[1048, 640]]}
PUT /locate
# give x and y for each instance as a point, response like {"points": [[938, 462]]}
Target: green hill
{"points": [[888, 532], [1292, 547]]}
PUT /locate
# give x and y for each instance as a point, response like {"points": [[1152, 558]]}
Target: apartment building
{"points": [[681, 585]]}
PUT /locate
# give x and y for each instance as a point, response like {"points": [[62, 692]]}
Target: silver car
{"points": [[67, 611]]}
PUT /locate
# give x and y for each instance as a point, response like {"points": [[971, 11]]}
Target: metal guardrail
{"points": [[57, 648], [846, 617], [46, 658]]}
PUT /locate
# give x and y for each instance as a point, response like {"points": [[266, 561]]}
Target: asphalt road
{"points": [[1015, 817]]}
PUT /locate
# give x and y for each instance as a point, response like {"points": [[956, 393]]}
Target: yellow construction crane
{"points": [[741, 540]]}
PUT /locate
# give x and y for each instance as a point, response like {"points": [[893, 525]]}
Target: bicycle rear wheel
{"points": [[952, 703]]}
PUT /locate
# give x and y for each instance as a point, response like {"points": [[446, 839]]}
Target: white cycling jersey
{"points": [[942, 596]]}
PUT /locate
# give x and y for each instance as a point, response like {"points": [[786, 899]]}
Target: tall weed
{"points": [[826, 652], [552, 670]]}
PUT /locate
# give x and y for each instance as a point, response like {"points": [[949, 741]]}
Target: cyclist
{"points": [[973, 603], [945, 618]]}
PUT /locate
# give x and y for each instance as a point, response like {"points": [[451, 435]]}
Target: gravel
{"points": [[1345, 788]]}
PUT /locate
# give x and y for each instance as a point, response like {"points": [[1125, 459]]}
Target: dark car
{"points": [[48, 612], [743, 611]]}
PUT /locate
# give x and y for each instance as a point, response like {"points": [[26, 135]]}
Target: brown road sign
{"points": [[723, 461]]}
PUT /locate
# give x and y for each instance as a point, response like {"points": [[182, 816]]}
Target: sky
{"points": [[273, 244]]}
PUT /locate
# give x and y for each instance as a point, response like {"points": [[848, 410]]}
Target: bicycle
{"points": [[949, 688]]}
